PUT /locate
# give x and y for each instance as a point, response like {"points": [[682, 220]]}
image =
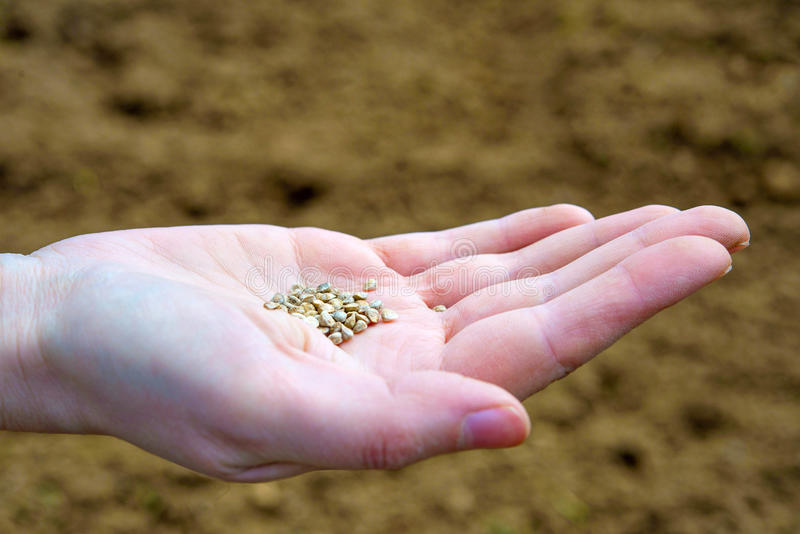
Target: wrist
{"points": [[32, 398]]}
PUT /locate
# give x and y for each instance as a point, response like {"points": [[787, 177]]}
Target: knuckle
{"points": [[391, 449]]}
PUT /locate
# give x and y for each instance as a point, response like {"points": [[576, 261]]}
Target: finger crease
{"points": [[561, 369]]}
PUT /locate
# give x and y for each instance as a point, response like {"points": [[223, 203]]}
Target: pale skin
{"points": [[156, 336]]}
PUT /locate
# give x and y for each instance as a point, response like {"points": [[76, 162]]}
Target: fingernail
{"points": [[740, 246], [488, 429], [729, 269]]}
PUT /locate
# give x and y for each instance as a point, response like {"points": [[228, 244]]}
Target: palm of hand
{"points": [[163, 333]]}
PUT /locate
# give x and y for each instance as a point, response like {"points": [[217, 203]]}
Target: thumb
{"points": [[357, 421]]}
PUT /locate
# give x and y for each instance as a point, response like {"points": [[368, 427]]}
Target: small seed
{"points": [[337, 314], [389, 315], [346, 333], [373, 315], [336, 338], [325, 319], [439, 308]]}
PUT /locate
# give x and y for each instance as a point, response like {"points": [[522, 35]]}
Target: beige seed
{"points": [[373, 315], [338, 314], [346, 333], [336, 338], [439, 308], [325, 319], [389, 315]]}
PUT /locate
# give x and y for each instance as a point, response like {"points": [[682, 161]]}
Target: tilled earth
{"points": [[375, 117]]}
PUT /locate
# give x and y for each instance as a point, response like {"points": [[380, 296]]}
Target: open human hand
{"points": [[158, 336]]}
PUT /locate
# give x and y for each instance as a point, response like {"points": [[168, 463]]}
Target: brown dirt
{"points": [[378, 117]]}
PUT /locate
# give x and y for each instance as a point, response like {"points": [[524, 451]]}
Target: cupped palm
{"points": [[163, 338]]}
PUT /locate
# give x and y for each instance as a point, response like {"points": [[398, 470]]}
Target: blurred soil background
{"points": [[375, 117]]}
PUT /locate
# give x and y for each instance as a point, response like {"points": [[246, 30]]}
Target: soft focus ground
{"points": [[376, 117]]}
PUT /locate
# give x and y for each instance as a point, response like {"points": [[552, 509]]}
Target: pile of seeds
{"points": [[337, 314]]}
